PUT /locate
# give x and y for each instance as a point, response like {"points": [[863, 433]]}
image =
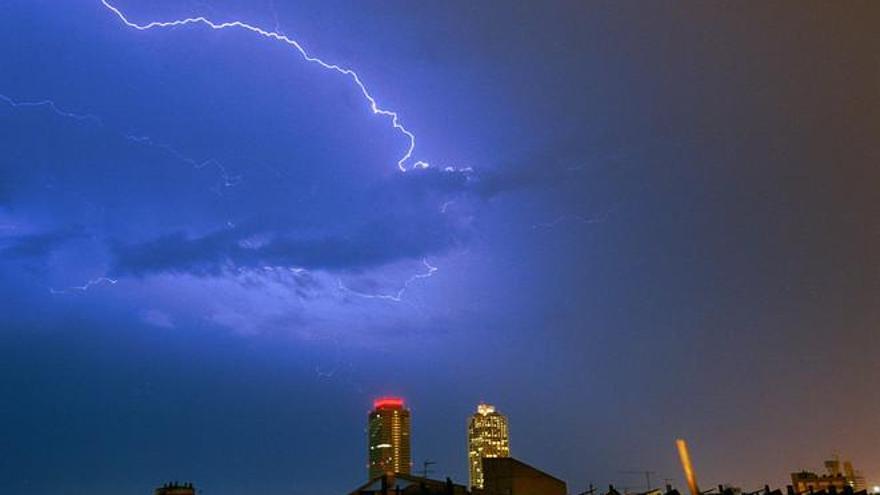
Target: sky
{"points": [[621, 223]]}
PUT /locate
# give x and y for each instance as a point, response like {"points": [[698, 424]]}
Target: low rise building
{"points": [[508, 476]]}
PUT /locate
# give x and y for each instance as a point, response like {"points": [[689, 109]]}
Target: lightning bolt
{"points": [[397, 296], [88, 285], [599, 218], [275, 17], [227, 179], [53, 107], [391, 115]]}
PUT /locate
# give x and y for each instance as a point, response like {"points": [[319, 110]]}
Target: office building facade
{"points": [[488, 437], [389, 438]]}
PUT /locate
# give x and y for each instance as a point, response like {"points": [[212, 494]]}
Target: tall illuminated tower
{"points": [[389, 437], [487, 437]]}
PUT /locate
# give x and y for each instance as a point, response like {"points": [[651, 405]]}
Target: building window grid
{"points": [[487, 437]]}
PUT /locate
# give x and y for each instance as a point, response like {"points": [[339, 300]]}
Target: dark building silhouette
{"points": [[848, 490], [508, 476], [175, 488], [405, 484]]}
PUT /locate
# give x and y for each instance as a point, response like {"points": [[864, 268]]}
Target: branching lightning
{"points": [[402, 163], [227, 179], [397, 296], [405, 163], [275, 17]]}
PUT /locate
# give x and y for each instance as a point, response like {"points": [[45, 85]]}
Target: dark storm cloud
{"points": [[401, 218], [398, 218], [370, 245]]}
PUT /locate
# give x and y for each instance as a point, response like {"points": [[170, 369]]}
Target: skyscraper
{"points": [[389, 437], [487, 437]]}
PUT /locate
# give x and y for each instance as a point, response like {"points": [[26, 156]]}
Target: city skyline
{"points": [[389, 457], [227, 226]]}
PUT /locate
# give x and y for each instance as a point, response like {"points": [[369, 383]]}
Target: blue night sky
{"points": [[640, 221]]}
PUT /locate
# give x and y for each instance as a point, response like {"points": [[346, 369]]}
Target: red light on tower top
{"points": [[388, 403]]}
